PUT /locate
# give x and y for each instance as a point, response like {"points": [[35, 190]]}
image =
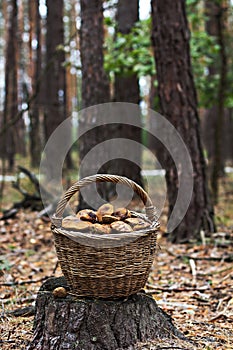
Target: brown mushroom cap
{"points": [[105, 209], [75, 224], [101, 229], [108, 219], [121, 226], [138, 223], [122, 213], [87, 215], [60, 292]]}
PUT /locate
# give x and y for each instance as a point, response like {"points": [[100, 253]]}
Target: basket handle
{"points": [[150, 209]]}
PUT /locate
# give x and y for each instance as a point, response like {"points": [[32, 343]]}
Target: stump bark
{"points": [[94, 324]]}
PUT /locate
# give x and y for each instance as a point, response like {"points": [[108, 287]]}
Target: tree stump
{"points": [[93, 324]]}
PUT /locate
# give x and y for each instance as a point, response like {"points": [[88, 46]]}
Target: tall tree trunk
{"points": [[154, 144], [71, 78], [35, 62], [55, 102], [214, 119], [55, 77], [11, 83], [74, 45], [178, 101], [228, 145], [127, 16], [95, 85], [20, 59]]}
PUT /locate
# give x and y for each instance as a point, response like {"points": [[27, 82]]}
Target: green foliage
{"points": [[229, 52], [132, 53], [204, 52], [128, 54]]}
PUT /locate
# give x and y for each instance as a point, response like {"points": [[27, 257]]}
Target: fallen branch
{"points": [[9, 214], [221, 314], [216, 272], [7, 341], [175, 289], [33, 178], [179, 289], [30, 200], [20, 283], [21, 312]]}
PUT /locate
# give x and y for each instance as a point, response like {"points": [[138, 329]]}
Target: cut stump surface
{"points": [[95, 324]]}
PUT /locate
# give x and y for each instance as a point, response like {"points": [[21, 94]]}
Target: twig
{"points": [[176, 289], [227, 298], [31, 176], [23, 311], [170, 253], [27, 195], [20, 283], [216, 272], [55, 267], [221, 314], [7, 341], [33, 200], [225, 277], [9, 214]]}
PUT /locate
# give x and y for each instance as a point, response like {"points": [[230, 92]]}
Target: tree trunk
{"points": [[21, 54], [55, 103], [154, 144], [91, 324], [95, 85], [214, 119], [178, 102], [55, 77], [11, 84], [35, 71], [127, 16], [228, 147]]}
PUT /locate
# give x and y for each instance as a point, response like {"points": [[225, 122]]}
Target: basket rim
{"points": [[105, 240], [104, 236]]}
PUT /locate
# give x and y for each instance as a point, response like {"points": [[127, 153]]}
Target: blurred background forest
{"points": [[57, 57]]}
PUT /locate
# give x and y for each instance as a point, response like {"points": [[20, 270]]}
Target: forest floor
{"points": [[191, 282]]}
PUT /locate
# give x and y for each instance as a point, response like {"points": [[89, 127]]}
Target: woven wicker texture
{"points": [[99, 268]]}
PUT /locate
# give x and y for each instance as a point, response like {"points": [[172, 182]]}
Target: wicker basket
{"points": [[107, 265]]}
